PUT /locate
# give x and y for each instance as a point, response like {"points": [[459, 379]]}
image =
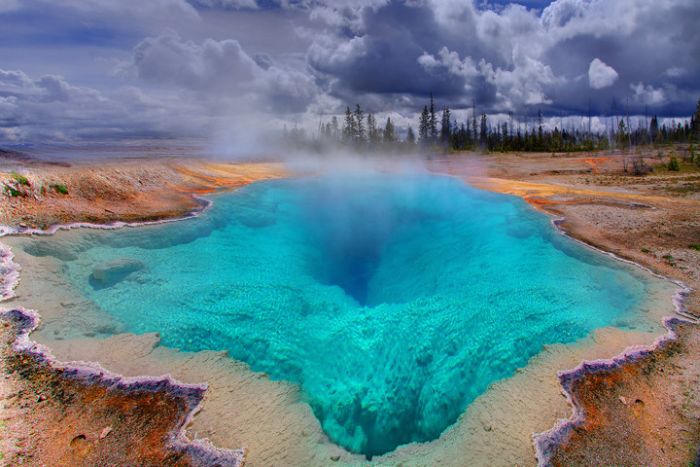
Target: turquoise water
{"points": [[393, 301]]}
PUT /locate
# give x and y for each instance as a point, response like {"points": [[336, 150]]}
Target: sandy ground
{"points": [[651, 220]]}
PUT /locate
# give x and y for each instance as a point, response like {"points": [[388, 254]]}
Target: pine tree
{"points": [[410, 136], [335, 129], [654, 128], [483, 131], [349, 127], [424, 125], [372, 130], [445, 126], [389, 134], [326, 131], [433, 120], [462, 141], [696, 122], [622, 137], [360, 133]]}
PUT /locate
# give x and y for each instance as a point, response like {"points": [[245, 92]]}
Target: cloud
{"points": [[49, 107], [601, 75], [449, 61], [511, 59], [227, 4], [9, 5], [648, 95], [124, 14], [221, 71], [675, 72], [211, 65], [218, 57]]}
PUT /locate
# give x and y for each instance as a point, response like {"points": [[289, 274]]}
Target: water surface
{"points": [[393, 301]]}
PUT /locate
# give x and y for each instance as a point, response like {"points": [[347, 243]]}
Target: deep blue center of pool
{"points": [[393, 301]]}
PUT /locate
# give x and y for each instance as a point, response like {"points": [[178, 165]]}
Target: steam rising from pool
{"points": [[393, 301]]}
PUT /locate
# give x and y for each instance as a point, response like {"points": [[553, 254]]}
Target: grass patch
{"points": [[20, 179], [673, 165], [60, 188], [12, 191], [694, 246], [683, 167]]}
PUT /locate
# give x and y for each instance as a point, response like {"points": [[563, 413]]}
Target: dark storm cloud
{"points": [[376, 58], [98, 67], [516, 59]]}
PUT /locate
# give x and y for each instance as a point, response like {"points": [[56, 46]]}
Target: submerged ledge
{"points": [[93, 373], [201, 451]]}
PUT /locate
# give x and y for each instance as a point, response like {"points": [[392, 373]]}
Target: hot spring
{"points": [[393, 301]]}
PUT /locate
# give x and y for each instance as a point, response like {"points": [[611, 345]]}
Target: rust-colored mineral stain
{"points": [[69, 417], [628, 421]]}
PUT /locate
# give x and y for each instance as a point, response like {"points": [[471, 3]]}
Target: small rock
{"points": [[105, 432], [111, 272], [623, 399], [335, 458]]}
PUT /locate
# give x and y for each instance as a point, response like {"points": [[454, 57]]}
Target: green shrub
{"points": [[673, 164], [695, 246], [12, 191], [19, 178], [60, 188]]}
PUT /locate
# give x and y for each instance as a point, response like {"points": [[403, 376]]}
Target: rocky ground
{"points": [[646, 412], [54, 416]]}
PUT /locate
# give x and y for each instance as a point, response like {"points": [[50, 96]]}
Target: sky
{"points": [[133, 69]]}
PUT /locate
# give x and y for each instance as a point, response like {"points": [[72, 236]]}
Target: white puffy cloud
{"points": [[221, 72], [648, 95], [213, 65], [449, 61], [675, 72], [601, 75]]}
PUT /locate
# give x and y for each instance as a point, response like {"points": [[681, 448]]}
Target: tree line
{"points": [[440, 131]]}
